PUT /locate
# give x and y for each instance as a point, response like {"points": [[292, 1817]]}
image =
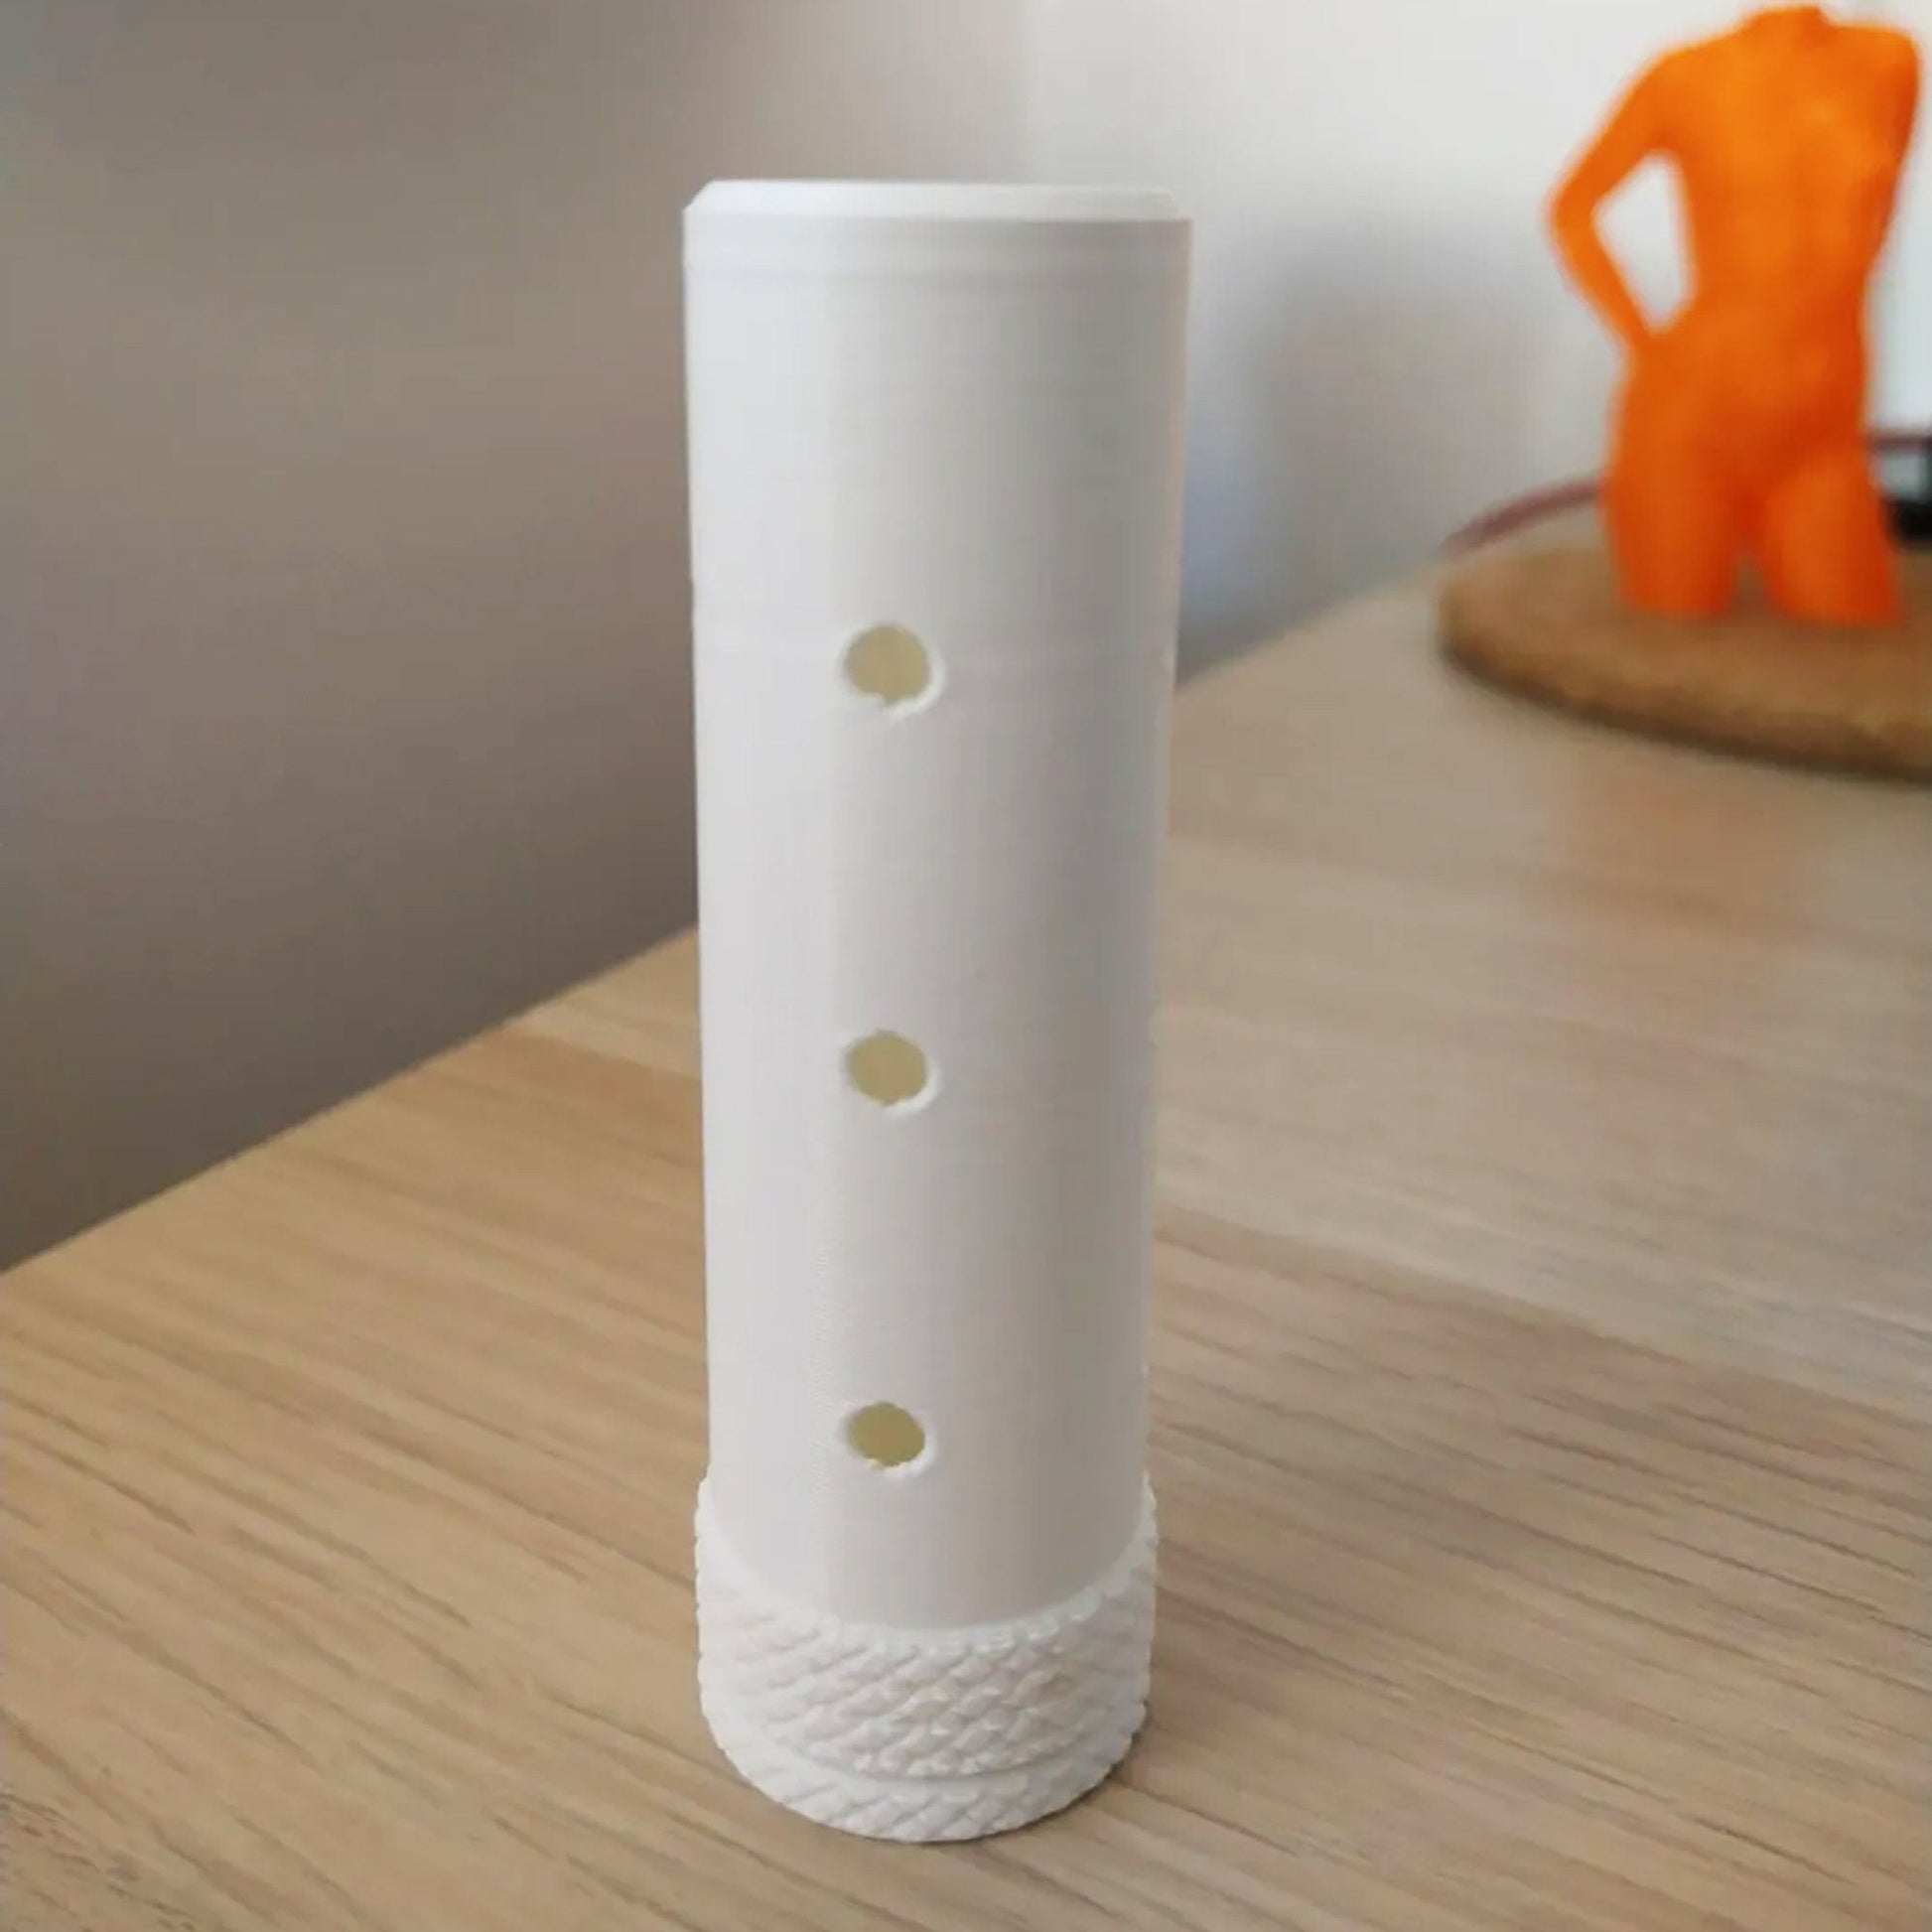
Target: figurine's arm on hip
{"points": [[1635, 132]]}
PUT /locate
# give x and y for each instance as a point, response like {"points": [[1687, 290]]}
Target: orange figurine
{"points": [[1741, 430]]}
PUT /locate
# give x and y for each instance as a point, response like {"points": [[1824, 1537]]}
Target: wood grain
{"points": [[1543, 1347]]}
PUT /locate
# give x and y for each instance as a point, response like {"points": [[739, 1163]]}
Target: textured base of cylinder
{"points": [[929, 1734]]}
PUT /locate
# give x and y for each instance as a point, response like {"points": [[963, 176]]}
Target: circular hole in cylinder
{"points": [[886, 1436], [886, 1068], [889, 663]]}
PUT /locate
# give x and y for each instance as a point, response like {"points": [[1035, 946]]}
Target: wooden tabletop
{"points": [[1543, 1343]]}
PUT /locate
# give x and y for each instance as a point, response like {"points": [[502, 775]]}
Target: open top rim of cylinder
{"points": [[935, 200]]}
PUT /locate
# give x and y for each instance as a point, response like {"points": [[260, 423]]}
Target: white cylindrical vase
{"points": [[936, 447]]}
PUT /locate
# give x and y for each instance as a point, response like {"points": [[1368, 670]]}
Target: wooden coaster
{"points": [[1549, 624]]}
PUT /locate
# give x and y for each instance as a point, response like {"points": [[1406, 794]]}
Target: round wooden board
{"points": [[1549, 623]]}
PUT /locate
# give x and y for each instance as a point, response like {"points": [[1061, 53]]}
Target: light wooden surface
{"points": [[1543, 1348]]}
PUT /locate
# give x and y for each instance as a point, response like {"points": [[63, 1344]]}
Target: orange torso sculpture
{"points": [[1741, 431]]}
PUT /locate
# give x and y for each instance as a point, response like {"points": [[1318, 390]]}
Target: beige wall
{"points": [[343, 642]]}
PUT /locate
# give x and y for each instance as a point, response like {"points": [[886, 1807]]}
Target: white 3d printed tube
{"points": [[935, 445]]}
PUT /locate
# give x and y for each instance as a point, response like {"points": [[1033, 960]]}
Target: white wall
{"points": [[1383, 346], [1902, 388], [342, 583]]}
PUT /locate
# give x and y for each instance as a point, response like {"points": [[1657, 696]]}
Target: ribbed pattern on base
{"points": [[923, 1735]]}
